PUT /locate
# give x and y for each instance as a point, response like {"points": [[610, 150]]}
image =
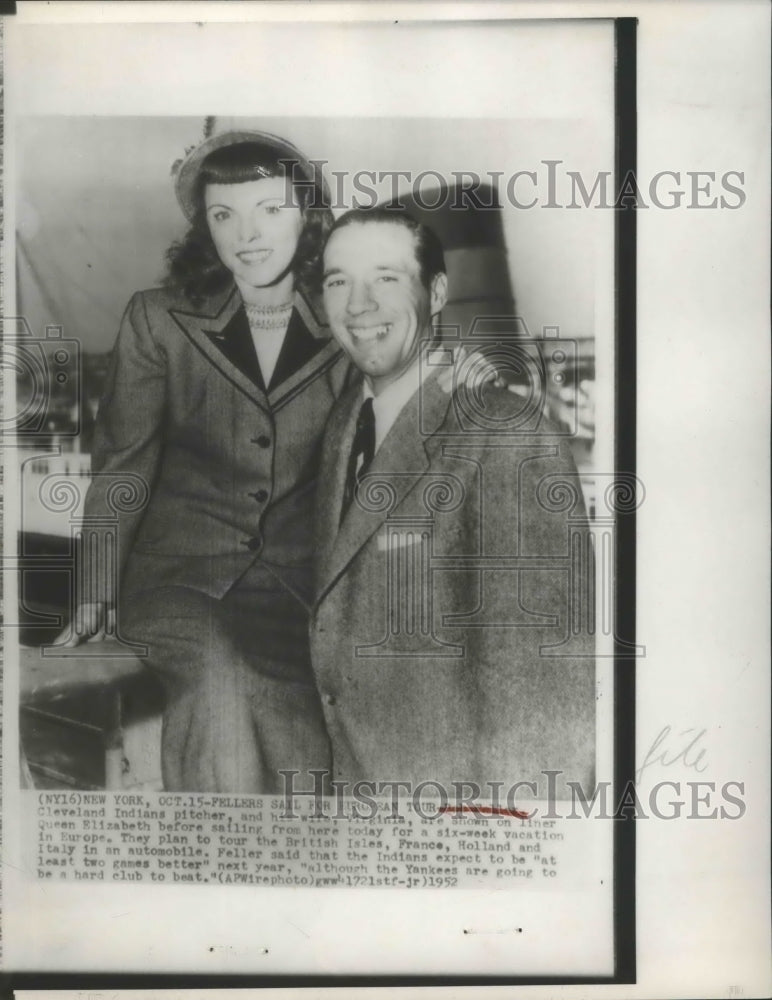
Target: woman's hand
{"points": [[90, 623]]}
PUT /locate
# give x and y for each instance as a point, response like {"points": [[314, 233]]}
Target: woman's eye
{"points": [[333, 283], [220, 215], [272, 209], [387, 277]]}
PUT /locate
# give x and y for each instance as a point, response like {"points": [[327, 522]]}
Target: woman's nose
{"points": [[249, 228]]}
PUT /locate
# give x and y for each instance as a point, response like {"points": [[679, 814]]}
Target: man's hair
{"points": [[428, 249]]}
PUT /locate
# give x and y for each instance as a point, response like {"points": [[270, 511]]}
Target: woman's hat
{"points": [[186, 171]]}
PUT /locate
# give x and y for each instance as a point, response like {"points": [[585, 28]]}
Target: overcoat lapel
{"points": [[332, 479], [399, 463]]}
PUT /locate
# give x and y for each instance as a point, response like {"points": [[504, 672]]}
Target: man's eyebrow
{"points": [[378, 267]]}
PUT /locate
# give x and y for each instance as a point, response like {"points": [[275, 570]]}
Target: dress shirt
{"points": [[390, 402]]}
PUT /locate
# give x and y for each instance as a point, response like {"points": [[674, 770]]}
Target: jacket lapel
{"points": [[222, 335], [236, 343], [308, 351], [398, 466]]}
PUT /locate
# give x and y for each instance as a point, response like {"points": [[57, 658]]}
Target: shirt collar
{"points": [[390, 402]]}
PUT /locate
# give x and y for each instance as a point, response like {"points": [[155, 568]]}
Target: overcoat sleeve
{"points": [[535, 682], [127, 446]]}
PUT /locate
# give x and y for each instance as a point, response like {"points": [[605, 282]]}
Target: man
{"points": [[441, 641]]}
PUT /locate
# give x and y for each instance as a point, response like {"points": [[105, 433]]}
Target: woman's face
{"points": [[255, 226]]}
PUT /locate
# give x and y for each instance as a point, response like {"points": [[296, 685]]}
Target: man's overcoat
{"points": [[446, 637]]}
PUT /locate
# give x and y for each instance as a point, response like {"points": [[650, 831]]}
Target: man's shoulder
{"points": [[489, 412]]}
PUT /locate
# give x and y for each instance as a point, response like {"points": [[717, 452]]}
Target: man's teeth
{"points": [[369, 332]]}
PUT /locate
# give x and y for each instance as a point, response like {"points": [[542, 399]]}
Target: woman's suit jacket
{"points": [[228, 467]]}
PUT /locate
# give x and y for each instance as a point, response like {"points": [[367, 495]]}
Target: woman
{"points": [[215, 401]]}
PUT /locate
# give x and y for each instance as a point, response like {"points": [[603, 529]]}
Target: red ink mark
{"points": [[487, 811]]}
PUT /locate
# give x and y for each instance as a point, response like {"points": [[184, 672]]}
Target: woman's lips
{"points": [[254, 256]]}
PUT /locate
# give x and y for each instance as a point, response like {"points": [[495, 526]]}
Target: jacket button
{"points": [[253, 544], [329, 699], [261, 495], [263, 441]]}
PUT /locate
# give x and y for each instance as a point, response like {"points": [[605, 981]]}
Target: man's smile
{"points": [[368, 334]]}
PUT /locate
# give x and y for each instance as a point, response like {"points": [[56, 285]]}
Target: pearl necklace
{"points": [[268, 317]]}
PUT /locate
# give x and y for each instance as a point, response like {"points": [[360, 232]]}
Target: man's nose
{"points": [[360, 298]]}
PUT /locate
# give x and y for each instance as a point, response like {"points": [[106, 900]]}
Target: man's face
{"points": [[376, 304]]}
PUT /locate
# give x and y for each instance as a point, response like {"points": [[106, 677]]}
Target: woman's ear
{"points": [[439, 292]]}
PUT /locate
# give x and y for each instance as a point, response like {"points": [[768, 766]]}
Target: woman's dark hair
{"points": [[193, 265]]}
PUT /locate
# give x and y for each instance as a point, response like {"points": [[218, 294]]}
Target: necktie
{"points": [[362, 451]]}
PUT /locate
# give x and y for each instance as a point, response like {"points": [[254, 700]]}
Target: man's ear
{"points": [[439, 292]]}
